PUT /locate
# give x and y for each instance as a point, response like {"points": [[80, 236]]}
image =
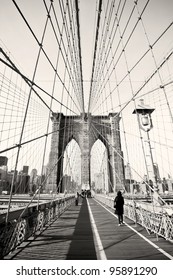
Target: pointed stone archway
{"points": [[85, 129]]}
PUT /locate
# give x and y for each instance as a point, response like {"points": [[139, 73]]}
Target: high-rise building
{"points": [[3, 179], [33, 175], [45, 170], [3, 161], [33, 180], [25, 169], [66, 183], [22, 184], [99, 182], [156, 172], [128, 173]]}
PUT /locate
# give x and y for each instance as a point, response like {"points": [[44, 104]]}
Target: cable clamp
{"points": [[18, 145]]}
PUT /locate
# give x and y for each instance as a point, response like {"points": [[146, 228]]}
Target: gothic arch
{"points": [[98, 168], [68, 157], [86, 129]]}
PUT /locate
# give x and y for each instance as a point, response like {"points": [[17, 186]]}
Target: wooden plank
{"points": [[69, 237], [120, 242]]}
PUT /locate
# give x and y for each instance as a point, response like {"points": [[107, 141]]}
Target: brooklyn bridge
{"points": [[85, 112]]}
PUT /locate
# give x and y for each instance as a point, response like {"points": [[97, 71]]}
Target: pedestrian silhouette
{"points": [[77, 199], [119, 207]]}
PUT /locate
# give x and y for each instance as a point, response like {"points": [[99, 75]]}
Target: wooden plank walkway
{"points": [[71, 237], [121, 242]]}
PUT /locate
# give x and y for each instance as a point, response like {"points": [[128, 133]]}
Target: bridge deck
{"points": [[71, 237]]}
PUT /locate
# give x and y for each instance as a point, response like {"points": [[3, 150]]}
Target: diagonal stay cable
{"points": [[141, 58], [29, 141], [147, 81], [127, 42], [61, 41], [30, 83], [44, 52]]}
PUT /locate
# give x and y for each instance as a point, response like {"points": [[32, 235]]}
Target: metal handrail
{"points": [[32, 222], [156, 219]]}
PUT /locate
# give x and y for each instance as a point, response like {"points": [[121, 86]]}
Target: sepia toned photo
{"points": [[86, 132]]}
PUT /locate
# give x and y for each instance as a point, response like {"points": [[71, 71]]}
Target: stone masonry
{"points": [[85, 129]]}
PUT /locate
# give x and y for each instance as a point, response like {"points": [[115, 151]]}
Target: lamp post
{"points": [[145, 122]]}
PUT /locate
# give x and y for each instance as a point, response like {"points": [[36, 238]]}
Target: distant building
{"points": [[33, 180], [156, 172], [3, 174], [77, 179], [22, 184], [128, 173], [164, 185], [3, 179], [145, 178], [3, 161], [10, 175], [99, 182], [66, 183], [33, 175], [73, 187], [128, 179], [25, 169], [45, 170]]}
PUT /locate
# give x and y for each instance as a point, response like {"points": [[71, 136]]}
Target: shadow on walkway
{"points": [[82, 245]]}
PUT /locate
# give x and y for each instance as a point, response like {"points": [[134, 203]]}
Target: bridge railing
{"points": [[155, 219], [31, 221]]}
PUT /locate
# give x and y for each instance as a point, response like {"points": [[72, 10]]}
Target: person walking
{"points": [[77, 199], [119, 207]]}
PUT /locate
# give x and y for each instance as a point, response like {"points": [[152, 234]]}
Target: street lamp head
{"points": [[144, 115], [145, 120], [143, 109]]}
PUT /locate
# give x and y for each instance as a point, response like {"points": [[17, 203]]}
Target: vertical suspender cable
{"points": [[79, 48], [95, 50]]}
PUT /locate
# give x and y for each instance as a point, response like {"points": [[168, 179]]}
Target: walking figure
{"points": [[119, 207], [77, 199]]}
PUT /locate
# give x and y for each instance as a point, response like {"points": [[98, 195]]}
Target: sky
{"points": [[22, 47], [18, 42]]}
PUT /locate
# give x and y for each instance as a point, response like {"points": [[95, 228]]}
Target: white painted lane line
{"points": [[142, 236], [99, 246]]}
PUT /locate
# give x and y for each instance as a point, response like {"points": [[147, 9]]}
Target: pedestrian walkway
{"points": [[73, 236], [129, 241]]}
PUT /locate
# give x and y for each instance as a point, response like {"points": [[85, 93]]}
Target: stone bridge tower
{"points": [[86, 130]]}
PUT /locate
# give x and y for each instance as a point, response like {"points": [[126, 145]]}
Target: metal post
{"points": [[155, 187]]}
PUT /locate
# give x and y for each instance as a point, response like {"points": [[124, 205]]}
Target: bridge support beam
{"points": [[51, 185], [84, 139], [85, 130], [116, 154]]}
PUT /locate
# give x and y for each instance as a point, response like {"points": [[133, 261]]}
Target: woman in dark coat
{"points": [[119, 207]]}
